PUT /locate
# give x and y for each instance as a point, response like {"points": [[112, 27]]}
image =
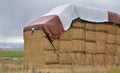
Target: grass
{"points": [[11, 54]]}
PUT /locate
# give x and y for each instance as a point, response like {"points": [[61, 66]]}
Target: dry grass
{"points": [[17, 66]]}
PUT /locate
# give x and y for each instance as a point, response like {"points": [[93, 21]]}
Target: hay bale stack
{"points": [[83, 44]]}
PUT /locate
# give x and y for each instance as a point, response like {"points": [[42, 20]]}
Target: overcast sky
{"points": [[15, 14]]}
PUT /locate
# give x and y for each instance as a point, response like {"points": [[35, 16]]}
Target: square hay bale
{"points": [[78, 45], [118, 50], [56, 44], [118, 30], [67, 35], [45, 44], [101, 47], [67, 58], [101, 36], [118, 39], [80, 58], [101, 27], [37, 34], [66, 46], [90, 35], [78, 33], [90, 47], [99, 59], [111, 48], [89, 59], [112, 29], [51, 57], [111, 38], [110, 59], [117, 59], [36, 62], [78, 25], [90, 26]]}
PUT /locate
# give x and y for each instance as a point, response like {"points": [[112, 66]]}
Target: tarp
{"points": [[51, 25], [113, 17], [59, 19], [67, 13]]}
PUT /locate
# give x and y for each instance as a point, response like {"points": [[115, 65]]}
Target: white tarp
{"points": [[69, 12]]}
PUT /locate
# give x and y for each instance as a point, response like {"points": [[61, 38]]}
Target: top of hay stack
{"points": [[59, 19]]}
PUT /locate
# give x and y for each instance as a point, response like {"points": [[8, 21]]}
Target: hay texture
{"points": [[83, 44]]}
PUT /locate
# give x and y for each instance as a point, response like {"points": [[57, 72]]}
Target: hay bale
{"points": [[89, 59], [78, 25], [41, 38], [118, 30], [45, 44], [78, 33], [101, 47], [101, 27], [110, 59], [101, 36], [35, 57], [111, 48], [90, 26], [67, 58], [51, 57], [56, 44], [90, 36], [90, 47], [118, 50], [112, 29], [36, 62], [111, 38], [80, 58], [67, 35], [118, 39], [39, 33], [66, 46], [100, 59], [117, 59], [28, 37], [78, 45]]}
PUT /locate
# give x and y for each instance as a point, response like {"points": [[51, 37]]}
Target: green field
{"points": [[11, 54]]}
